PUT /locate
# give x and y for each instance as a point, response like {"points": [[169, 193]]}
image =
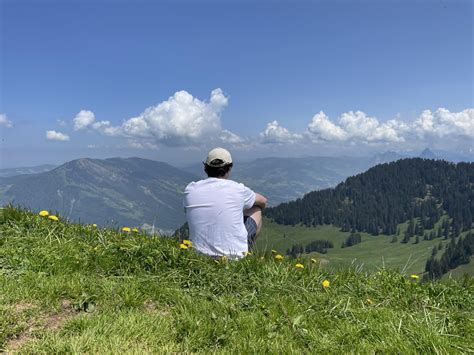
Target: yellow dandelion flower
{"points": [[279, 257], [414, 277], [135, 230], [369, 301], [299, 266], [313, 260], [274, 251], [326, 284], [183, 246], [44, 213], [53, 218], [126, 229], [94, 225], [188, 242], [224, 259]]}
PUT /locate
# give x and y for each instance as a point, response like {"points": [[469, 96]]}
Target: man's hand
{"points": [[260, 201]]}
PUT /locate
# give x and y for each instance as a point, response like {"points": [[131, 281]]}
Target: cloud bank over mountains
{"points": [[186, 121], [358, 127], [274, 133], [179, 121], [442, 123], [355, 126]]}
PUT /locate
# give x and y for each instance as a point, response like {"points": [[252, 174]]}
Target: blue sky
{"points": [[338, 77]]}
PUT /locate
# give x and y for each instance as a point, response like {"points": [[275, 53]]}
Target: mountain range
{"points": [[26, 170], [130, 191], [285, 179], [142, 192]]}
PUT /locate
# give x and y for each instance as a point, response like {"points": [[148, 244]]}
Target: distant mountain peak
{"points": [[428, 154]]}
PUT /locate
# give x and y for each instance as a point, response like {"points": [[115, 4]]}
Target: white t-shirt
{"points": [[214, 211]]}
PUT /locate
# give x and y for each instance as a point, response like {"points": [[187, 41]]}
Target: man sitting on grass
{"points": [[224, 217]]}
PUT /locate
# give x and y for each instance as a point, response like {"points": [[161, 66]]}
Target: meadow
{"points": [[68, 287], [372, 253]]}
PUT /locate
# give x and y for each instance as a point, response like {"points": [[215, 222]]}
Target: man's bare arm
{"points": [[260, 201]]}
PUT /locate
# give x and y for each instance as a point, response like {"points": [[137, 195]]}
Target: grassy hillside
{"points": [[75, 288], [373, 253], [460, 271]]}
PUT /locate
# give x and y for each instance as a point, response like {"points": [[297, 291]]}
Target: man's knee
{"points": [[256, 213], [253, 211]]}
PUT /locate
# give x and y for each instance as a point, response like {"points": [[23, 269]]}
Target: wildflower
{"points": [[44, 213], [246, 253], [414, 277], [94, 225], [313, 260], [183, 246], [135, 230], [299, 266], [369, 301], [224, 258], [326, 283], [126, 229], [278, 257], [53, 218], [188, 243]]}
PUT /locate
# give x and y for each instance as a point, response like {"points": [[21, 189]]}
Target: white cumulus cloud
{"points": [[56, 136], [355, 126], [180, 120], [276, 134], [4, 121], [230, 137], [442, 122], [322, 128], [83, 119]]}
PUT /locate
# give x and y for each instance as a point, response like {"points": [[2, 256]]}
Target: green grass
{"points": [[73, 288], [373, 253], [461, 271]]}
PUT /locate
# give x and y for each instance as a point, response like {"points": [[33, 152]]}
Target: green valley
{"points": [[373, 253]]}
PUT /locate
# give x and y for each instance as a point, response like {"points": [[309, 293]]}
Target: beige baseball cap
{"points": [[218, 157]]}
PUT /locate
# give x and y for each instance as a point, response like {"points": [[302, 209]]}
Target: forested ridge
{"points": [[456, 253], [386, 195]]}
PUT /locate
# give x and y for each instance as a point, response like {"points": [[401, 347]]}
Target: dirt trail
{"points": [[51, 322]]}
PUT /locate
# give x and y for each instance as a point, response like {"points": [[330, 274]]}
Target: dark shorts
{"points": [[251, 227]]}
